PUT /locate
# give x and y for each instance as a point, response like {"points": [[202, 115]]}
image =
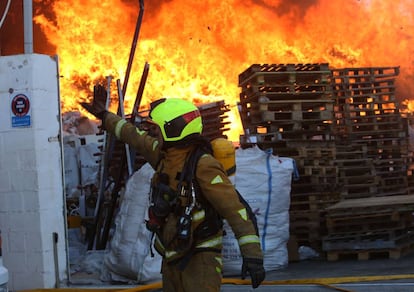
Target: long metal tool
{"points": [[121, 177], [103, 173], [140, 92], [137, 103], [133, 46]]}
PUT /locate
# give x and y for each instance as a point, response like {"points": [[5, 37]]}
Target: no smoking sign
{"points": [[20, 110]]}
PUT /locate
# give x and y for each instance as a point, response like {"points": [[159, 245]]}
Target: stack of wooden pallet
{"points": [[215, 119], [375, 213], [368, 115], [365, 228], [289, 108], [345, 131]]}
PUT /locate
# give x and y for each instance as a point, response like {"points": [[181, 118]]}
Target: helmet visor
{"points": [[174, 127]]}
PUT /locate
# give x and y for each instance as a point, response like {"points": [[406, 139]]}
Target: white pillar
{"points": [[31, 180]]}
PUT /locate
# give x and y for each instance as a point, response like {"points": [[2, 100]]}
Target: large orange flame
{"points": [[197, 49]]}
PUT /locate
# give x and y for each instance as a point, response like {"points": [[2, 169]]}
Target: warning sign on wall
{"points": [[20, 110]]}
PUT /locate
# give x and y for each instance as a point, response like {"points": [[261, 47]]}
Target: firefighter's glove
{"points": [[256, 270], [98, 105]]}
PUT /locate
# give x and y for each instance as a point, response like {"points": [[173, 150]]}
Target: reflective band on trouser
{"points": [[170, 253], [159, 247], [248, 239], [118, 128], [214, 242], [199, 215], [158, 241]]}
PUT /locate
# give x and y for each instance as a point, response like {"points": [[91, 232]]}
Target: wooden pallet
{"points": [[313, 201], [345, 96], [373, 73], [361, 255], [350, 223], [305, 105], [296, 110], [352, 93], [364, 255], [308, 231], [308, 235], [350, 151], [299, 135], [308, 161], [300, 116], [325, 171], [354, 163], [285, 95], [378, 151], [370, 240], [374, 249], [295, 73], [369, 117], [300, 187], [361, 190], [358, 88], [368, 181], [392, 186], [363, 82], [255, 123], [365, 170], [270, 84], [372, 136], [317, 152], [361, 130], [354, 115], [308, 184], [372, 205], [214, 115]]}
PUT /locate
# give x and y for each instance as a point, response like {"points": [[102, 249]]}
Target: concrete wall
{"points": [[31, 181]]}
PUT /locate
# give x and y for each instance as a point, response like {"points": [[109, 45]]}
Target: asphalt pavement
{"points": [[352, 275], [377, 275]]}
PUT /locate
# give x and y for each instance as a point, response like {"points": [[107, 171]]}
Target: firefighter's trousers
{"points": [[202, 273]]}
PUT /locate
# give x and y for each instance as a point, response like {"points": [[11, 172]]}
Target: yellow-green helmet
{"points": [[177, 118]]}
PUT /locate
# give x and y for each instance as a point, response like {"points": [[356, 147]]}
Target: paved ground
{"points": [[370, 275], [379, 275]]}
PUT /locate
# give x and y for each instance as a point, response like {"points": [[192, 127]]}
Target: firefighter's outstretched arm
{"points": [[98, 105], [149, 147]]}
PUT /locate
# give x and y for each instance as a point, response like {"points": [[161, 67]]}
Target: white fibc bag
{"points": [[264, 181], [128, 258]]}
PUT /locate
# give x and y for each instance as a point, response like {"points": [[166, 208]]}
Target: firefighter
{"points": [[188, 228]]}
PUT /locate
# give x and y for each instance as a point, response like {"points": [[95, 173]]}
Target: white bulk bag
{"points": [[264, 180], [128, 258]]}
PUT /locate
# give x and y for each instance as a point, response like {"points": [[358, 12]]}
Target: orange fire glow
{"points": [[197, 49]]}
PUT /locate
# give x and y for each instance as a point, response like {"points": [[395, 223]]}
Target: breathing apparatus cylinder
{"points": [[225, 152]]}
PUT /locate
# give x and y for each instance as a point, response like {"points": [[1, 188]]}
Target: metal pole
{"points": [[122, 111], [28, 26], [133, 46]]}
